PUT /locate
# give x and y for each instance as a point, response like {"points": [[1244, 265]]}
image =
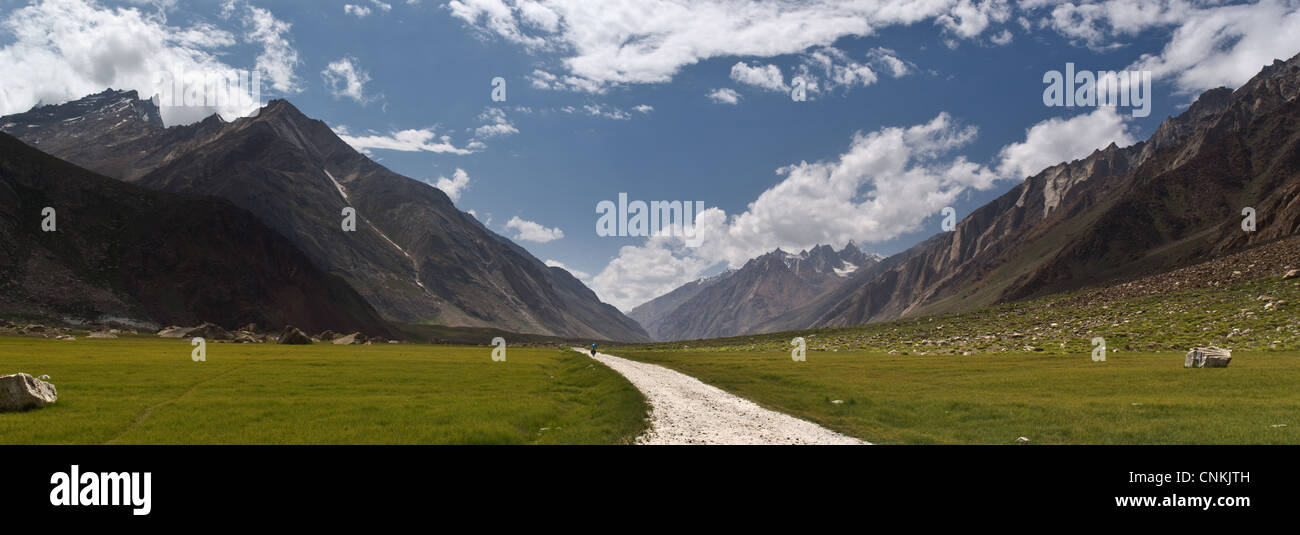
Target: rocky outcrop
{"points": [[21, 391]]}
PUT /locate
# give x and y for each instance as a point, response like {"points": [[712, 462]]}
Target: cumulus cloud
{"points": [[767, 77], [494, 124], [66, 49], [579, 274], [619, 44], [725, 95], [1059, 140], [278, 59], [532, 231], [410, 140], [343, 78], [455, 185], [361, 11], [1211, 44]]}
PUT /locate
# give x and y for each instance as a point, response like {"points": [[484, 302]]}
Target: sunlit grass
{"points": [[144, 390], [1131, 398]]}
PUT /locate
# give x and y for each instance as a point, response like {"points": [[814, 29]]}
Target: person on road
{"points": [[593, 350]]}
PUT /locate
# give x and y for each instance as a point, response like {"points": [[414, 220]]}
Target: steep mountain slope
{"points": [[122, 251], [738, 301], [413, 255], [1118, 214]]}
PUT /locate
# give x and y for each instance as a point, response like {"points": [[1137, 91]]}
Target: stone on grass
{"points": [[101, 334], [173, 332], [293, 336], [21, 391], [1207, 357]]}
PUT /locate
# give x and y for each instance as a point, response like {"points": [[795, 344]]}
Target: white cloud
{"points": [[455, 185], [1211, 44], [411, 140], [643, 108], [969, 19], [828, 68], [725, 95], [1059, 140], [495, 124], [343, 78], [361, 11], [649, 41], [767, 77], [579, 274], [278, 58], [1226, 45], [531, 231], [67, 49]]}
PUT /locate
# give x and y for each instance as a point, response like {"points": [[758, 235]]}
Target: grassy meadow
{"points": [[1131, 398], [147, 390]]}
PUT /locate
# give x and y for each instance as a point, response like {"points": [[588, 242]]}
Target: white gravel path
{"points": [[684, 410]]}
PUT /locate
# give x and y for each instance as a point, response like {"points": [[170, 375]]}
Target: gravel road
{"points": [[684, 410]]}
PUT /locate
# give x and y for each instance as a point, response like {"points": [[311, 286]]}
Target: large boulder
{"points": [[209, 331], [21, 391], [102, 335], [1207, 357], [173, 332], [351, 339], [293, 336]]}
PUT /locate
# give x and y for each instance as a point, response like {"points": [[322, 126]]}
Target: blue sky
{"points": [[919, 105]]}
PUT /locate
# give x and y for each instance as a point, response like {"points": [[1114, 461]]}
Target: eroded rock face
{"points": [[21, 391]]}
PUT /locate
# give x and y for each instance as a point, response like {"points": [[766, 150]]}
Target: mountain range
{"points": [[115, 251], [413, 256], [1118, 214], [738, 301]]}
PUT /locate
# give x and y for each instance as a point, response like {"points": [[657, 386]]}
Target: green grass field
{"points": [[146, 390], [1131, 398]]}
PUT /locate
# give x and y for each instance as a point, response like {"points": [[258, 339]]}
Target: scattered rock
{"points": [[327, 336], [837, 401], [1291, 274], [1022, 440], [1207, 357], [209, 331], [1277, 426], [172, 332], [21, 391], [293, 336], [351, 339], [102, 334]]}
